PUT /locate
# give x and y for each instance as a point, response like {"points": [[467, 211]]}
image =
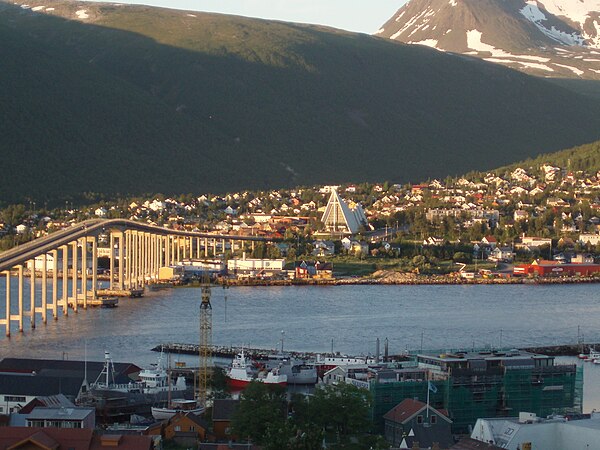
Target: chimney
{"points": [[385, 351], [377, 351]]}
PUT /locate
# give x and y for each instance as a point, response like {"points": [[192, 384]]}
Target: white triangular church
{"points": [[339, 218]]}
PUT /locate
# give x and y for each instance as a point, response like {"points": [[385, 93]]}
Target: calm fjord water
{"points": [[449, 317]]}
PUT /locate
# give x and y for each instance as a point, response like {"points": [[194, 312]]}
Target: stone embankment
{"points": [[390, 277]]}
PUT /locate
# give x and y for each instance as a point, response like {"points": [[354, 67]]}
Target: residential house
{"points": [[323, 248], [413, 421], [502, 254], [100, 212], [593, 239], [222, 412], [185, 429], [310, 269], [432, 241], [34, 438], [76, 417], [489, 241]]}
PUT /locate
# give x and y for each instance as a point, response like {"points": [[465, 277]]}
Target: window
{"points": [[192, 428], [419, 419], [14, 398], [433, 420], [177, 428]]}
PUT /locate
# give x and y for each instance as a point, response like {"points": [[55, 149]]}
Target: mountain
{"points": [[548, 38], [113, 98]]}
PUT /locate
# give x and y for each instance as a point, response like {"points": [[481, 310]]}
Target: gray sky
{"points": [[354, 15]]}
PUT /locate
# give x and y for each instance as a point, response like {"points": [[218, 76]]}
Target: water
{"points": [[447, 317]]}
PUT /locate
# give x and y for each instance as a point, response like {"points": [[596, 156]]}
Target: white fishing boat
{"points": [[240, 373], [174, 406], [177, 406], [154, 380], [593, 356]]}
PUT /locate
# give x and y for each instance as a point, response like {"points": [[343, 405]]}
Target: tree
{"points": [[341, 409], [261, 415]]}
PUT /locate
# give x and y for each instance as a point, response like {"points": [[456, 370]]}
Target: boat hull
{"points": [[167, 413]]}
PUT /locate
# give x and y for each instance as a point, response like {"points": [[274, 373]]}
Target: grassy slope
{"points": [[160, 101], [584, 157]]}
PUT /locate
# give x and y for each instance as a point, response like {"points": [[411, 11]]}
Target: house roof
{"points": [[50, 400], [45, 413], [66, 368], [409, 408], [38, 385], [45, 438], [223, 409], [68, 438]]}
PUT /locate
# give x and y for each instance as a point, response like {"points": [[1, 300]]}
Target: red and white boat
{"points": [[240, 374]]}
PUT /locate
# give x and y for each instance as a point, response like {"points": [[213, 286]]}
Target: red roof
{"points": [[71, 438], [408, 408]]}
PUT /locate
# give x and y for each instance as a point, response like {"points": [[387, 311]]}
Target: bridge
{"points": [[136, 252]]}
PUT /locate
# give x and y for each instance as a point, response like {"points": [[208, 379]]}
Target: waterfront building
{"points": [[471, 385], [255, 267], [545, 268], [528, 431]]}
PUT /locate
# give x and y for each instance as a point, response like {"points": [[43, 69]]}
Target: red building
{"points": [[543, 268]]}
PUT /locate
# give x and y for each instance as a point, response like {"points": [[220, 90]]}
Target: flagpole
{"points": [[428, 395]]}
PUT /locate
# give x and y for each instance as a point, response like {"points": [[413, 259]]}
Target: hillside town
{"points": [[544, 215]]}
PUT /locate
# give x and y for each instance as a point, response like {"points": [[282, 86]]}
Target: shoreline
{"points": [[409, 279]]}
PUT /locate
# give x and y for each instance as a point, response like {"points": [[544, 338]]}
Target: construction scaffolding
{"points": [[496, 392]]}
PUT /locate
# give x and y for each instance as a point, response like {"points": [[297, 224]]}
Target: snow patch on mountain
{"points": [[82, 14], [428, 42], [532, 12], [474, 43], [575, 70], [577, 11]]}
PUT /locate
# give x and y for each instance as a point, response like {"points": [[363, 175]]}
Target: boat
{"points": [[298, 371], [177, 406], [594, 355], [154, 380], [240, 374], [174, 406], [325, 363]]}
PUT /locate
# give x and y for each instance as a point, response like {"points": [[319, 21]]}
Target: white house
{"points": [[100, 212], [22, 228]]}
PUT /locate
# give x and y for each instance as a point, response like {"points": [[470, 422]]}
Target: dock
{"points": [[131, 293], [102, 302]]}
